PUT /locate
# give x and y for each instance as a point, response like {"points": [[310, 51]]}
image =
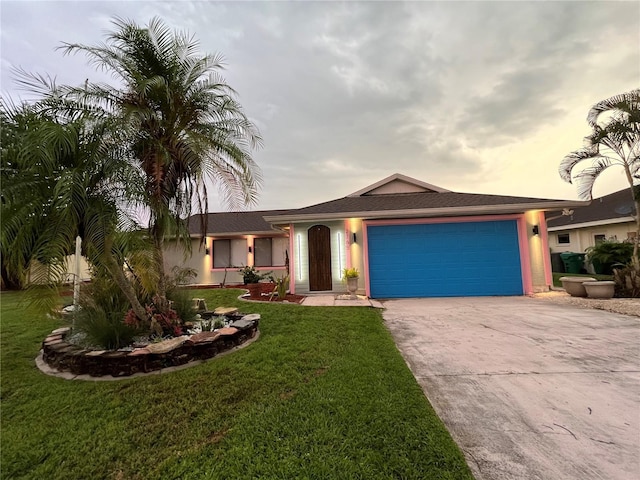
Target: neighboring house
{"points": [[606, 218], [38, 273], [406, 237]]}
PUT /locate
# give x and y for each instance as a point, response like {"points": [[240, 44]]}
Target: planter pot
{"points": [[599, 289], [574, 287], [254, 289], [352, 286]]}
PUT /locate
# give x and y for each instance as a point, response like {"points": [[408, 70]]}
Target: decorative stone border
{"points": [[62, 356]]}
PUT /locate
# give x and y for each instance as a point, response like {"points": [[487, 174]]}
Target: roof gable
{"points": [[398, 183]]}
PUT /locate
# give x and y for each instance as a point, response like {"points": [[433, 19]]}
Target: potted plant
{"points": [[251, 278], [351, 275]]}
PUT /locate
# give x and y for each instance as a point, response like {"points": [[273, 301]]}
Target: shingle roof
{"points": [[423, 203], [234, 223], [614, 206]]}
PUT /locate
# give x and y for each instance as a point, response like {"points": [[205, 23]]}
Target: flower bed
{"points": [[64, 356]]}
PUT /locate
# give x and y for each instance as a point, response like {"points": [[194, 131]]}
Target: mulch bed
{"points": [[288, 299], [265, 288]]}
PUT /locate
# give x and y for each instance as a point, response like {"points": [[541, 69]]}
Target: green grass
{"points": [[558, 283], [322, 394]]}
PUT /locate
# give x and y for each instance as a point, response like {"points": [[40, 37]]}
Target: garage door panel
{"points": [[449, 259]]}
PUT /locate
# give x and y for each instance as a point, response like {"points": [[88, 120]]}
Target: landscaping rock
{"points": [[252, 316], [139, 351], [166, 345], [227, 331], [204, 337], [243, 324], [225, 311], [60, 331], [96, 353], [199, 305]]}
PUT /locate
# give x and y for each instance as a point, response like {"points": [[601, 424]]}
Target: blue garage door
{"points": [[444, 260]]}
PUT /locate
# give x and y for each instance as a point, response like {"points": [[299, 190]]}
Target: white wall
{"points": [[583, 238], [300, 258], [240, 257]]}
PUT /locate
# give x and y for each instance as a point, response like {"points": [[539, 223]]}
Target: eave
{"points": [[595, 223], [272, 232], [428, 212]]}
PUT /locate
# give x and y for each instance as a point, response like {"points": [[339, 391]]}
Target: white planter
{"points": [[352, 286], [600, 289], [574, 287]]}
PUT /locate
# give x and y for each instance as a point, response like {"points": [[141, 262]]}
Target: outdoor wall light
{"points": [[536, 230], [355, 239], [206, 250], [250, 249]]}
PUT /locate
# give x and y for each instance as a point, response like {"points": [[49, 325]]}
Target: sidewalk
{"points": [[340, 301]]}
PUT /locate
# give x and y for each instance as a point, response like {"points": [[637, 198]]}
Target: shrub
{"points": [[627, 282], [182, 304], [103, 294], [251, 275], [282, 286], [610, 254], [160, 323], [105, 329], [103, 307]]}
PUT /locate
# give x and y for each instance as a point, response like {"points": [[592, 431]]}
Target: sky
{"points": [[478, 97]]}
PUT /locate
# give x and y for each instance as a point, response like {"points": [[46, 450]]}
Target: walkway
{"points": [[340, 301]]}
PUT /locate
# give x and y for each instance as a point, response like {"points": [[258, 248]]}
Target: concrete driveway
{"points": [[527, 388]]}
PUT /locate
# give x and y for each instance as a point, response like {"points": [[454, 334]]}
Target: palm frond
{"points": [[628, 103], [587, 177]]}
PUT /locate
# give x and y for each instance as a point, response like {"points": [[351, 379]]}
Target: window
{"points": [[564, 238], [262, 252], [270, 252], [229, 253], [599, 238]]}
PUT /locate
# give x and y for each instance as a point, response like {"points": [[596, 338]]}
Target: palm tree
{"points": [[183, 125], [61, 178], [615, 141]]}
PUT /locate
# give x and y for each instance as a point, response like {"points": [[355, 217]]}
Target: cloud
{"points": [[348, 93]]}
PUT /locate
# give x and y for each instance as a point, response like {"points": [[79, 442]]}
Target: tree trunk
{"points": [[121, 280], [9, 281], [635, 261], [158, 239]]}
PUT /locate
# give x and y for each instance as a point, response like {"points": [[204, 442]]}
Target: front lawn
{"points": [[322, 394]]}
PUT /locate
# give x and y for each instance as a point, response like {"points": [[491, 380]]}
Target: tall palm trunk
{"points": [[161, 293], [635, 261], [121, 280]]}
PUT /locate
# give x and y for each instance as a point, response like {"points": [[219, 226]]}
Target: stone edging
{"points": [[62, 359]]}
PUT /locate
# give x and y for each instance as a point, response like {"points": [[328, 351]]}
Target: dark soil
{"points": [[267, 298]]}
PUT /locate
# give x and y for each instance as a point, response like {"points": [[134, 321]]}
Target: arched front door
{"points": [[319, 237]]}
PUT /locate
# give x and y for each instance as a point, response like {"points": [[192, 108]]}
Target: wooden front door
{"points": [[319, 237]]}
